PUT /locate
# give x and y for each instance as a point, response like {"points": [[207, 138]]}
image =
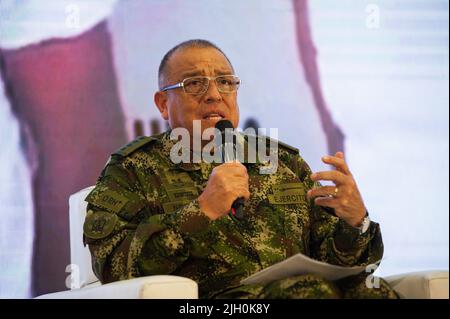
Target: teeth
{"points": [[213, 116]]}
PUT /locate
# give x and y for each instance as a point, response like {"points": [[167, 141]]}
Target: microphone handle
{"points": [[228, 152]]}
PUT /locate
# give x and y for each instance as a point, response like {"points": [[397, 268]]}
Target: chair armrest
{"points": [[150, 287], [421, 285]]}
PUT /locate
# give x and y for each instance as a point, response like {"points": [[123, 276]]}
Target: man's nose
{"points": [[212, 94]]}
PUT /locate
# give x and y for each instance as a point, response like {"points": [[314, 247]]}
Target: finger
{"points": [[235, 169], [238, 166], [232, 164], [335, 176], [327, 202], [247, 194], [321, 191], [337, 162], [340, 155], [243, 192], [240, 174], [237, 180]]}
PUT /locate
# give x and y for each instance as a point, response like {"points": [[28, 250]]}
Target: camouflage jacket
{"points": [[143, 218]]}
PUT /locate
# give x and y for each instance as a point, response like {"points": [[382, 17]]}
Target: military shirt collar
{"points": [[167, 143]]}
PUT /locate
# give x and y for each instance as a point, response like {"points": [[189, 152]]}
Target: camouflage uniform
{"points": [[143, 218]]}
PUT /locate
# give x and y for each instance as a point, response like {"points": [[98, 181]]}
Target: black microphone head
{"points": [[223, 124]]}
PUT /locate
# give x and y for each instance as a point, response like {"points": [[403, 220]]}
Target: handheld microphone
{"points": [[227, 151]]}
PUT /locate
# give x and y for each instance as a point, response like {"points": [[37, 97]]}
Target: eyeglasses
{"points": [[200, 84]]}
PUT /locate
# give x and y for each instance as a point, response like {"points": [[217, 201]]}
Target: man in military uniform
{"points": [[148, 215]]}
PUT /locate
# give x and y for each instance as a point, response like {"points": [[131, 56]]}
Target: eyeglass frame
{"points": [[181, 84]]}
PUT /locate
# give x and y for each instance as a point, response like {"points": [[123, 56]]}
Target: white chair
{"points": [[431, 284], [84, 284]]}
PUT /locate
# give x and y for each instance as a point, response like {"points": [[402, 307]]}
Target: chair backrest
{"points": [[80, 256]]}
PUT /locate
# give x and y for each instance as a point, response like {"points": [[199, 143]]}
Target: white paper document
{"points": [[300, 264]]}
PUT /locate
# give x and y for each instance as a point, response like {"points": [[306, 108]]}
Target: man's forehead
{"points": [[192, 61]]}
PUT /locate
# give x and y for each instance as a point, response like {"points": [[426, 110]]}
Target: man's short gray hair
{"points": [[195, 43]]}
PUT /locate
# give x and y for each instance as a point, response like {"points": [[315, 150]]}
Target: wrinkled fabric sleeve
{"points": [[331, 239], [145, 240]]}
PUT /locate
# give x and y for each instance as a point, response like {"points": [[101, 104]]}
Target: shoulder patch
{"points": [[99, 224], [134, 145]]}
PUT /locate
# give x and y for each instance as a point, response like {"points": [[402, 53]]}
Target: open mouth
{"points": [[213, 116]]}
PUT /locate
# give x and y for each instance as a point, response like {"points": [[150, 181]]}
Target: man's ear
{"points": [[160, 99]]}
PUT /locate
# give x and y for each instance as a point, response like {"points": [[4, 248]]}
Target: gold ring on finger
{"points": [[336, 191]]}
